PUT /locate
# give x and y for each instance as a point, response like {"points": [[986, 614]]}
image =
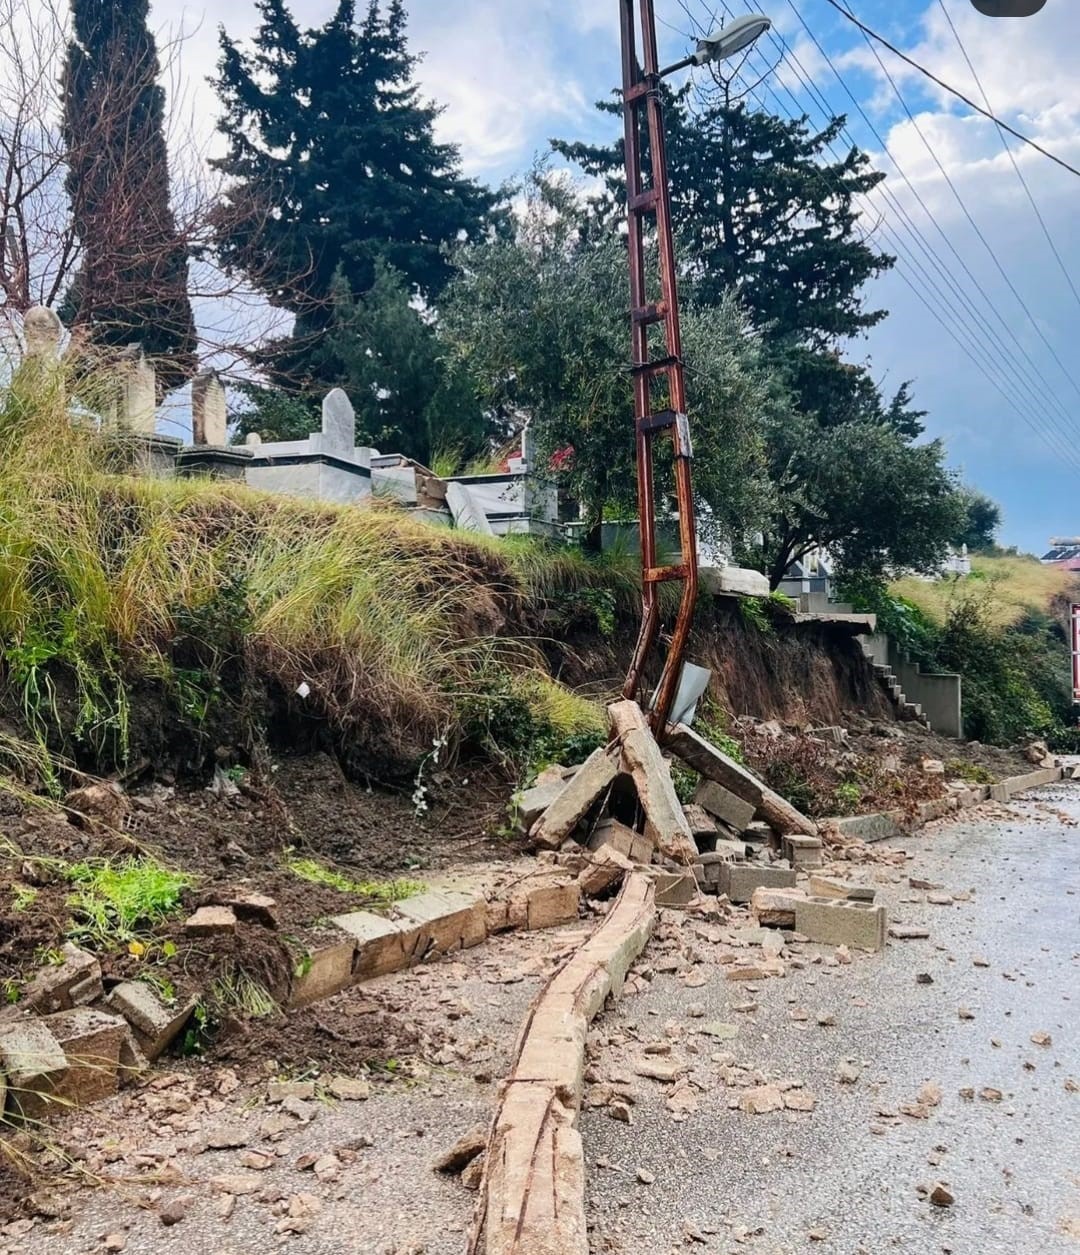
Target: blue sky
{"points": [[513, 73]]}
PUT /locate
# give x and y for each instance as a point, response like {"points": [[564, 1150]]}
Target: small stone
{"points": [[979, 961], [645, 1176], [719, 1030], [761, 1100], [175, 1210], [349, 1088], [463, 1151], [989, 1094], [211, 921], [620, 1112], [923, 978], [940, 899], [1041, 1039], [236, 1183], [846, 1073], [799, 1100], [965, 1014], [825, 1020], [114, 1241], [942, 1196], [930, 1095], [278, 1091]]}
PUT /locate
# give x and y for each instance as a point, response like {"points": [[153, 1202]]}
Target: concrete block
{"points": [[802, 851], [73, 983], [544, 902], [34, 1064], [154, 1024], [439, 921], [574, 800], [883, 826], [626, 841], [675, 888], [701, 824], [324, 970], [1020, 784], [604, 871], [833, 887], [724, 804], [775, 908], [530, 804], [837, 922], [739, 880], [92, 1042], [379, 944]]}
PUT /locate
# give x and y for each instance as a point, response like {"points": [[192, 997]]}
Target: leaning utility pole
{"points": [[658, 379]]}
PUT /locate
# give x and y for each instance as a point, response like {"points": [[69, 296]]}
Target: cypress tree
{"points": [[132, 282], [336, 172]]}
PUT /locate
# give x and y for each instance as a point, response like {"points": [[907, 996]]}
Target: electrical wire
{"points": [[1012, 156], [869, 34], [995, 364]]}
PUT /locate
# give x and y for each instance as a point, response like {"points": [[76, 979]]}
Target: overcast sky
{"points": [[513, 73]]}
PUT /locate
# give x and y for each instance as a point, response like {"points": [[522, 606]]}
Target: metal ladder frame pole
{"points": [[641, 92]]}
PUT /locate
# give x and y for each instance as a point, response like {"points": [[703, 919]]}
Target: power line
{"points": [[974, 348], [869, 34], [1012, 156], [972, 223], [1037, 381]]}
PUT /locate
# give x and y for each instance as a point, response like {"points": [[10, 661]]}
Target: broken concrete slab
{"points": [[74, 982], [604, 871], [775, 908], [1007, 789], [34, 1064], [714, 764], [881, 826], [533, 1186], [739, 880], [836, 922], [724, 804], [574, 800], [701, 823], [665, 823], [822, 886], [155, 1024], [92, 1042], [378, 943], [530, 804]]}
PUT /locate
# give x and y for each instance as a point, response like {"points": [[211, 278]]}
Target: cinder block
{"points": [[724, 804], [833, 887], [739, 880], [837, 922], [883, 826], [73, 983], [802, 851], [775, 908]]}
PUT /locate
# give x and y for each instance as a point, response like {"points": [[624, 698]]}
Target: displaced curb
{"points": [[889, 825], [532, 1195]]}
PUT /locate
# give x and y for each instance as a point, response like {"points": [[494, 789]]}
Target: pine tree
{"points": [[132, 282], [760, 208], [335, 171]]}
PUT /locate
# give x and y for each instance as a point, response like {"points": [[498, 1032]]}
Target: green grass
{"points": [[112, 903], [375, 892], [1018, 585], [108, 580]]}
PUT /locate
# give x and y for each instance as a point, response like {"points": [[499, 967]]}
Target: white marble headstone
{"points": [[338, 423]]}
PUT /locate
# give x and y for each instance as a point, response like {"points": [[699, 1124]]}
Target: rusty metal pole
{"points": [[641, 97]]}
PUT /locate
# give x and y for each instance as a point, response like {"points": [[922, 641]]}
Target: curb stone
{"points": [[532, 1195]]}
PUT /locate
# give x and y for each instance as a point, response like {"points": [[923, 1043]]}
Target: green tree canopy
{"points": [[540, 322], [760, 209], [982, 518], [335, 170], [132, 281]]}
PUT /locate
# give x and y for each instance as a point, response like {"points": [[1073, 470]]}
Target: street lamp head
{"points": [[731, 39]]}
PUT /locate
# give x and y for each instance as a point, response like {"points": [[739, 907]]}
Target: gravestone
{"points": [[209, 413], [338, 423], [137, 409], [41, 331]]}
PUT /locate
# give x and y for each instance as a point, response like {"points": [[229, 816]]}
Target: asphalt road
{"points": [[844, 1178]]}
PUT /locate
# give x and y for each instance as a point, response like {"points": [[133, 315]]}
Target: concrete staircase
{"points": [[908, 711]]}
